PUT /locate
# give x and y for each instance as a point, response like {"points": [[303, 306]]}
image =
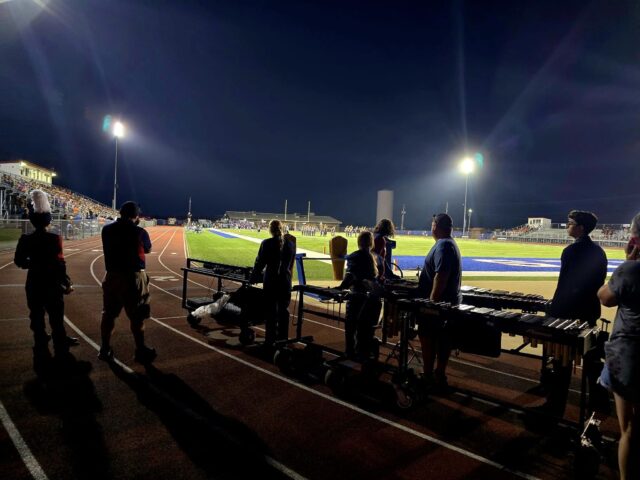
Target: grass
{"points": [[237, 251], [9, 234]]}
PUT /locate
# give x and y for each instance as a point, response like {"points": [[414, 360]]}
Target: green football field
{"points": [[237, 251]]}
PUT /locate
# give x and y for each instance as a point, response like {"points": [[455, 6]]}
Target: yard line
{"points": [[28, 458]]}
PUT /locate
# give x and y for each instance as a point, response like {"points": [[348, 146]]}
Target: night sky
{"points": [[243, 104]]}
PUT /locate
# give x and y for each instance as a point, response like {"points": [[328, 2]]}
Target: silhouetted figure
{"points": [[41, 253], [126, 284]]}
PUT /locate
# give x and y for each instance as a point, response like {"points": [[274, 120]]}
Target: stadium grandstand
{"points": [[296, 220], [74, 215], [541, 230]]}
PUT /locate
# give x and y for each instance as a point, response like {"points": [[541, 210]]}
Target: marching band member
{"points": [[274, 266], [382, 245], [363, 308]]}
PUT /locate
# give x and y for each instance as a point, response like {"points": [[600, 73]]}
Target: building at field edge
{"points": [[294, 219], [28, 169]]}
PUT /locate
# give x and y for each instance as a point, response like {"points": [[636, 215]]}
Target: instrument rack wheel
{"points": [[336, 380], [193, 321], [404, 399], [247, 336], [282, 359]]}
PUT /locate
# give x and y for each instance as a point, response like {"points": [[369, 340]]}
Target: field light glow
{"points": [[467, 166], [118, 130]]}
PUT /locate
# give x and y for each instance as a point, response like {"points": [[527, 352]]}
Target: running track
{"points": [[210, 409]]}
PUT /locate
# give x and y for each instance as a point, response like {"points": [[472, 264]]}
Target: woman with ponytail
{"points": [[273, 267], [363, 307]]}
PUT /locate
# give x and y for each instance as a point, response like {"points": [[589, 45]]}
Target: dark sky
{"points": [[243, 104]]}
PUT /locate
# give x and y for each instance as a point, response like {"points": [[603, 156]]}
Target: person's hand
{"points": [[68, 289]]}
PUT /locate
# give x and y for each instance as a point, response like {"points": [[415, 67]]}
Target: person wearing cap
{"points": [[126, 284], [439, 281], [41, 253], [583, 269]]}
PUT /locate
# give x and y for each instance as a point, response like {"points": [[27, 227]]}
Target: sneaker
{"points": [[105, 354], [145, 355], [72, 341]]}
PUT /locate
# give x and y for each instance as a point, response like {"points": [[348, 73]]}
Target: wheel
{"points": [[282, 360], [335, 380], [247, 337], [404, 401], [193, 321]]}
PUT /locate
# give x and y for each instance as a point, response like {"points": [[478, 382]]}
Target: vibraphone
{"points": [[247, 298], [479, 329], [501, 300]]}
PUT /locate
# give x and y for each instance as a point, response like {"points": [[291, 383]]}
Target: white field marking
{"points": [[356, 409], [169, 318], [308, 253], [184, 244], [269, 460], [21, 446], [391, 423], [12, 285]]}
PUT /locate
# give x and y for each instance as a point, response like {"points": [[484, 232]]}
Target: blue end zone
{"points": [[496, 264], [222, 234]]}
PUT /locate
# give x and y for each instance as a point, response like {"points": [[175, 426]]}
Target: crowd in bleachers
{"points": [[63, 201]]}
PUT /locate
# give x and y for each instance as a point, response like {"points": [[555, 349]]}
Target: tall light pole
{"points": [[469, 222], [403, 213], [467, 167], [118, 132]]}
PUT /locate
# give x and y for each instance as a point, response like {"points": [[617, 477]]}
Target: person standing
{"points": [[383, 245], [126, 284], [41, 253], [621, 373], [274, 267], [363, 307], [439, 281], [583, 269]]}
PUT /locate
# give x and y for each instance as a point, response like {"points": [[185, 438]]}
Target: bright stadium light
{"points": [[467, 167], [118, 132]]}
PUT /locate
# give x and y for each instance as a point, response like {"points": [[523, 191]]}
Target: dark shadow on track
{"points": [[222, 447], [63, 388]]}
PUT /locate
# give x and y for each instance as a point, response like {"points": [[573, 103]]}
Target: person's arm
{"points": [[258, 266], [439, 284], [146, 241], [607, 297], [21, 258]]}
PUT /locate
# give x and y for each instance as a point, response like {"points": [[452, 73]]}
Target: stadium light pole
{"points": [[467, 167], [118, 132], [469, 222]]}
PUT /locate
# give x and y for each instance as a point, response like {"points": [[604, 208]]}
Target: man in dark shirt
{"points": [[583, 269], [439, 281], [126, 284]]}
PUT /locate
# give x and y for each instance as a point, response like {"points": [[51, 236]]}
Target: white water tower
{"points": [[385, 205]]}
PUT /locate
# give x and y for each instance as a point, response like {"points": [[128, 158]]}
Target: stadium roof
{"points": [[291, 217]]}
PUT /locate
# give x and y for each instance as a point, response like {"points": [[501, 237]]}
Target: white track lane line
{"points": [[337, 401], [23, 449], [269, 460]]}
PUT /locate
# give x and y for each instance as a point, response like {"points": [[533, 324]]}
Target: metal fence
{"points": [[11, 229]]}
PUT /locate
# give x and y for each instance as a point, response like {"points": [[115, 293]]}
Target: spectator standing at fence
{"points": [[41, 253], [126, 284], [622, 368], [583, 269], [274, 267], [363, 307], [440, 281], [383, 245]]}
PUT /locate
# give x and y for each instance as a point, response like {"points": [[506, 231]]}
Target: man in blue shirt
{"points": [[439, 281]]}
